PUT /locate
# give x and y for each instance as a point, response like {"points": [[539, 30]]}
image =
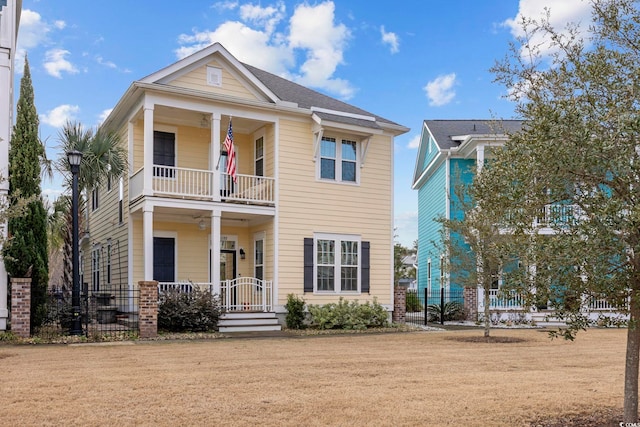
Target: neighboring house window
{"points": [[95, 269], [81, 268], [337, 263], [108, 182], [164, 153], [442, 271], [429, 273], [259, 155], [338, 161], [259, 256], [108, 262], [95, 199], [120, 202]]}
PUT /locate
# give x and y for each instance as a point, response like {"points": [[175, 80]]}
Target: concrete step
{"points": [[249, 328]]}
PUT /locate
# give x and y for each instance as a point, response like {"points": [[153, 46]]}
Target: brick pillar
{"points": [[21, 306], [399, 304], [148, 309], [471, 303]]}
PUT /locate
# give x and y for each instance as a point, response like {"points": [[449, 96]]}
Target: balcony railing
{"points": [[198, 184]]}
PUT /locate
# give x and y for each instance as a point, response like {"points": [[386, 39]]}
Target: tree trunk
{"points": [[487, 311], [632, 360]]}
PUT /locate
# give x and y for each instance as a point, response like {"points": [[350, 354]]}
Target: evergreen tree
{"points": [[25, 253]]}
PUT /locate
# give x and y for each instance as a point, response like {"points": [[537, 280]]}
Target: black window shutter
{"points": [[364, 281], [308, 264]]}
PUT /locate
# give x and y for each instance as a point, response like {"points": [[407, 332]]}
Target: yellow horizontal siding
{"points": [[307, 206], [197, 80]]}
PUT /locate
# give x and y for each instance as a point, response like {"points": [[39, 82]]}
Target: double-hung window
{"points": [[337, 266], [338, 160], [259, 156], [95, 268]]}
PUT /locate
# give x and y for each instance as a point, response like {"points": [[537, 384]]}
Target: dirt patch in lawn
{"points": [[488, 340]]}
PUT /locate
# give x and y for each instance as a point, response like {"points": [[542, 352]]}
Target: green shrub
{"points": [[194, 311], [345, 315], [412, 302], [295, 312], [453, 310]]}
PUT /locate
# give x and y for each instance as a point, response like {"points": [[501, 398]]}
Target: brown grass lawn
{"points": [[401, 379]]}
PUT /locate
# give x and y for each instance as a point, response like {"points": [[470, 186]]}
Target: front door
{"points": [[164, 259]]}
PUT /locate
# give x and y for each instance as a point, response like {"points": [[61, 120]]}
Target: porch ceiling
{"points": [[178, 116], [193, 216]]}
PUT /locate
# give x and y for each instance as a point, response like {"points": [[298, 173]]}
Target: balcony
{"points": [[198, 184]]}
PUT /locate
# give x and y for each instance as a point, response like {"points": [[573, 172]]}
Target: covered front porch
{"points": [[229, 253]]}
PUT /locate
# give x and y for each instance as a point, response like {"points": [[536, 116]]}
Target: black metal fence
{"points": [[434, 306], [109, 312]]}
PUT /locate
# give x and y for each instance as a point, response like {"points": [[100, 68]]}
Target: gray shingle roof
{"points": [[443, 130], [306, 98]]}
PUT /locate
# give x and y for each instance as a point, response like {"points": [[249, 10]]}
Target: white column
{"points": [[215, 251], [5, 134], [480, 157], [148, 151], [147, 241], [214, 154]]}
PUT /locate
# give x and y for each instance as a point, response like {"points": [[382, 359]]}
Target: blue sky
{"points": [[406, 61]]}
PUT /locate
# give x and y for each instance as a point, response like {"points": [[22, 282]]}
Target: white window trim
{"points": [[338, 238], [256, 137], [223, 238], [338, 160], [429, 273], [96, 249], [174, 236], [256, 237]]}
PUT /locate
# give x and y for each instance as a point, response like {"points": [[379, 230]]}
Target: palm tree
{"points": [[102, 156]]}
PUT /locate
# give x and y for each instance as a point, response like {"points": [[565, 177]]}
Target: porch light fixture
{"points": [[243, 255], [75, 158], [202, 225]]}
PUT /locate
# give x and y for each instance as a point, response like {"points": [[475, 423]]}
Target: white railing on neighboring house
{"points": [[500, 300], [557, 214], [247, 294], [248, 188], [241, 294]]}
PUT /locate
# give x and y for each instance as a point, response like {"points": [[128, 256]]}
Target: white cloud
{"points": [[440, 90], [414, 142], [257, 41], [312, 28], [266, 17], [103, 115], [55, 63], [33, 30], [100, 60], [60, 115], [391, 39], [561, 13], [60, 25], [225, 5]]}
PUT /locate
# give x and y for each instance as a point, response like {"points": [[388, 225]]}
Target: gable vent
{"points": [[214, 76]]}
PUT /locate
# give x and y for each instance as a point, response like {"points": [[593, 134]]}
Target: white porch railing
{"points": [[499, 300], [241, 294], [247, 294], [198, 184], [248, 188], [183, 182]]}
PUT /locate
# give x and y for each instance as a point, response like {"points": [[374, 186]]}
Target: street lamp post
{"points": [[75, 157]]}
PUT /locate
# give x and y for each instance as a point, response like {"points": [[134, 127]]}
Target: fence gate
{"points": [[434, 305]]}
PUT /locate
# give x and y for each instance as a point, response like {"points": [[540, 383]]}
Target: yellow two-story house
{"points": [[309, 211]]}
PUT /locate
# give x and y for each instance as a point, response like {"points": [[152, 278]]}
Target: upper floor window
{"points": [[338, 160], [259, 156], [95, 199]]}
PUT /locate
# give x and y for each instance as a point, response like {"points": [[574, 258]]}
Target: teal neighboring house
{"points": [[448, 152]]}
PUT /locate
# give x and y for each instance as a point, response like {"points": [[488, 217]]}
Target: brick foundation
{"points": [[21, 307], [471, 303], [148, 310], [399, 304]]}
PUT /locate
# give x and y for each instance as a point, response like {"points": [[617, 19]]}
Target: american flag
{"points": [[231, 154]]}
